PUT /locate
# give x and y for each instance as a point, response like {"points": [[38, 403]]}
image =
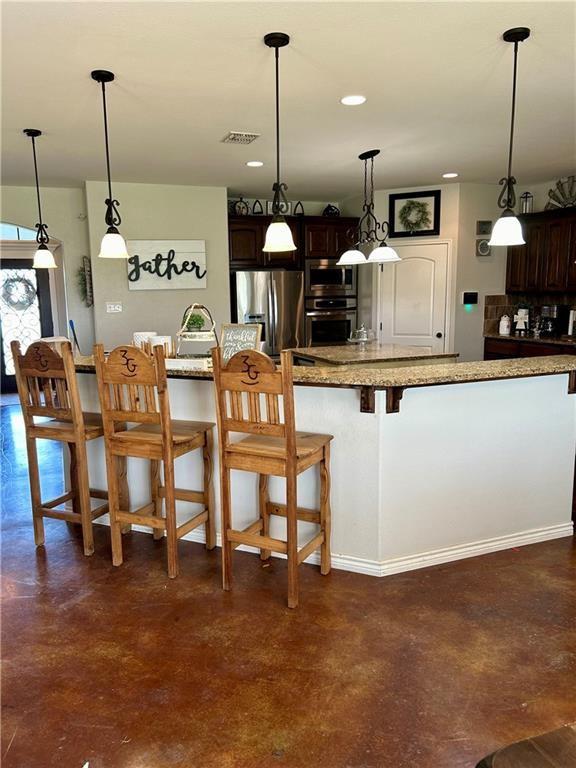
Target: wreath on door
{"points": [[414, 216], [19, 293]]}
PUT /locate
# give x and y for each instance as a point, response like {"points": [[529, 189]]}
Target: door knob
{"points": [[438, 335]]}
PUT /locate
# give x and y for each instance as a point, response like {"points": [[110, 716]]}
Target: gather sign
{"points": [[166, 264]]}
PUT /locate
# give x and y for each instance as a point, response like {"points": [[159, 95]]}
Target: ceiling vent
{"points": [[239, 137]]}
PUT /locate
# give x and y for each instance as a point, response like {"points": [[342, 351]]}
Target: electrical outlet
{"points": [[113, 306]]}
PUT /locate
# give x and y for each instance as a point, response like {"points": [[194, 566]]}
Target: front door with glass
{"points": [[25, 311]]}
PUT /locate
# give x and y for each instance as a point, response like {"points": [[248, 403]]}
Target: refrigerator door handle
{"points": [[272, 314]]}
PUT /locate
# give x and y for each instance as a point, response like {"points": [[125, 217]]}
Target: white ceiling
{"points": [[437, 77]]}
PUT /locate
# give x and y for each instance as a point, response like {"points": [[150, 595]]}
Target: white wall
{"points": [[153, 212], [64, 211]]}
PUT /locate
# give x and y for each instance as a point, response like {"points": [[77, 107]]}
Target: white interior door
{"points": [[413, 297]]}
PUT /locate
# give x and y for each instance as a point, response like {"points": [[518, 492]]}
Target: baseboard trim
{"points": [[424, 559]]}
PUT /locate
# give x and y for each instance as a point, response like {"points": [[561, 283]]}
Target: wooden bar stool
{"points": [[47, 387], [247, 401], [132, 387]]}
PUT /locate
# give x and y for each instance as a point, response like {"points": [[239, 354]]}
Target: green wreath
{"points": [[414, 216]]}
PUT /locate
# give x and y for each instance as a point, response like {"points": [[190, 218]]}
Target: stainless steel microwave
{"points": [[323, 277]]}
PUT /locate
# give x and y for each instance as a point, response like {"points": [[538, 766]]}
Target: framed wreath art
{"points": [[415, 214]]}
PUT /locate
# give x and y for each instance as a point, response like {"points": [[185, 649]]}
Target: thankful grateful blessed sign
{"points": [[166, 264]]}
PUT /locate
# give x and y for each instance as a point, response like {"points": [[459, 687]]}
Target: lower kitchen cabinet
{"points": [[500, 349]]}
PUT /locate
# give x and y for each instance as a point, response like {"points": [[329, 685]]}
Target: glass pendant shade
{"points": [[382, 254], [279, 237], [43, 258], [353, 256], [507, 231], [113, 246]]}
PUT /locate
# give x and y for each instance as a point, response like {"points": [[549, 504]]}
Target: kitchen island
{"points": [[479, 457], [370, 355]]}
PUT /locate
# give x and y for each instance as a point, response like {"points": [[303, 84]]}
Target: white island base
{"points": [[461, 470]]}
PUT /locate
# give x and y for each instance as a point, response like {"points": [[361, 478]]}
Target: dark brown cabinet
{"points": [[246, 237], [500, 349], [315, 237], [326, 238], [546, 263]]}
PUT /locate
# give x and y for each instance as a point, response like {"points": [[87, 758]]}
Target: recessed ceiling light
{"points": [[353, 101], [254, 163], [450, 175]]}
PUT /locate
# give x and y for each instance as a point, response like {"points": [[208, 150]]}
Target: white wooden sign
{"points": [[236, 337], [166, 264]]}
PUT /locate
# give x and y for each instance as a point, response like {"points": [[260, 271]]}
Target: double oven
{"points": [[330, 302]]}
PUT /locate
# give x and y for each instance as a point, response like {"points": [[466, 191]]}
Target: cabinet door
{"points": [[319, 241], [288, 259], [556, 262], [516, 269], [572, 256], [245, 240], [342, 238], [501, 349], [534, 236]]}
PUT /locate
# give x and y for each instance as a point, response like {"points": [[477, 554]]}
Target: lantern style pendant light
{"points": [[369, 230], [507, 230], [43, 258], [278, 235], [113, 245]]}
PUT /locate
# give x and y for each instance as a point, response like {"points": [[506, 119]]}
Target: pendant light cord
{"points": [[106, 140], [277, 57], [513, 110], [37, 182]]}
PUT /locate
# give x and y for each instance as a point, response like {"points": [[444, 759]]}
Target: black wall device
{"points": [[470, 297]]}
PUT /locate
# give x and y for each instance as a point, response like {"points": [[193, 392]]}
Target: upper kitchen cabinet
{"points": [[546, 263], [316, 237], [246, 237], [327, 238]]}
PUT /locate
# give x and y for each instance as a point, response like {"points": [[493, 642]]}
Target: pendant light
{"points": [[508, 230], [113, 245], [43, 258], [278, 235], [369, 230]]}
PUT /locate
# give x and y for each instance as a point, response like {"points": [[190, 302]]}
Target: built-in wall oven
{"points": [[329, 320], [323, 277]]}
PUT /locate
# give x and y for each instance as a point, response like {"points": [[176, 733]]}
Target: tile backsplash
{"points": [[507, 304]]}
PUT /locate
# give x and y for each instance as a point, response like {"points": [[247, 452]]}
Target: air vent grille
{"points": [[239, 137]]}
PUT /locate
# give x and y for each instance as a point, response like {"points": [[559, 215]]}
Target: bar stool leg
{"points": [[74, 477], [325, 512], [263, 498], [171, 535], [157, 533], [35, 492], [210, 526], [226, 524], [113, 500], [83, 493], [292, 539]]}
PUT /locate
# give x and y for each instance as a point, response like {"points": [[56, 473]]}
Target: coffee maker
{"points": [[554, 319]]}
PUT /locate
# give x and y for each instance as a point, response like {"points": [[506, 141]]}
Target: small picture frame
{"points": [[482, 247], [414, 214], [285, 208], [238, 336], [483, 228]]}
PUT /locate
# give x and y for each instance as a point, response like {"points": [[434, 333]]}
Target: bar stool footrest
{"points": [[56, 514], [59, 500], [311, 546], [182, 494], [303, 514], [189, 525], [97, 493], [257, 540]]}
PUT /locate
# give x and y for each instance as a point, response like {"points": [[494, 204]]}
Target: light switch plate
{"points": [[113, 306]]}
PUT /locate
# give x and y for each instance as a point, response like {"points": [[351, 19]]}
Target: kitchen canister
{"points": [[504, 327], [142, 337]]}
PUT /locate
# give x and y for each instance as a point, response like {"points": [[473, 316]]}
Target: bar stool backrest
{"points": [[248, 391], [46, 383], [132, 386]]}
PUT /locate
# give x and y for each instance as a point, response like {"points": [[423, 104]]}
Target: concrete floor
{"points": [[125, 669]]}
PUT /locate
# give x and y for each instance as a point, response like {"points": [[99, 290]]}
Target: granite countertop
{"points": [[408, 376], [370, 352], [566, 342]]}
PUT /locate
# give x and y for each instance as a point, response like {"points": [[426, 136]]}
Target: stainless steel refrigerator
{"points": [[274, 298]]}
